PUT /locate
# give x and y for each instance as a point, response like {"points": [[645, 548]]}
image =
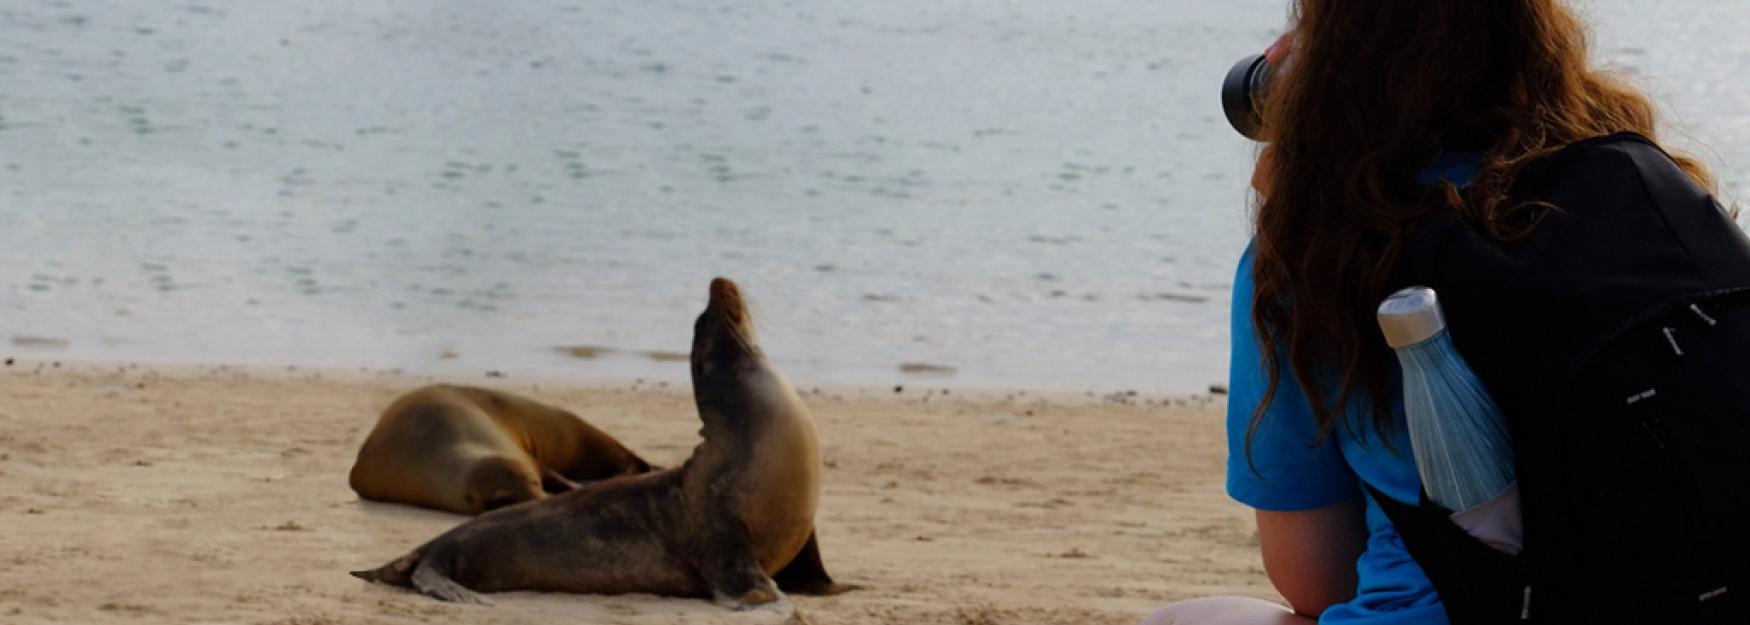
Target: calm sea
{"points": [[1015, 193]]}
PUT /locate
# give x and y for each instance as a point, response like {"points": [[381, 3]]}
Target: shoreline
{"points": [[218, 494], [901, 387]]}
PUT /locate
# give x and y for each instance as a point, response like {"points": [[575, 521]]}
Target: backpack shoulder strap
{"points": [[1715, 244], [1476, 583]]}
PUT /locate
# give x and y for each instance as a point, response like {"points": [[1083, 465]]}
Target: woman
{"points": [[1385, 112]]}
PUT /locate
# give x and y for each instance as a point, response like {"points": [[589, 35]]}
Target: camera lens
{"points": [[1242, 92]]}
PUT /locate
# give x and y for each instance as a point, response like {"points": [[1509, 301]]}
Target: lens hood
{"points": [[1239, 95]]}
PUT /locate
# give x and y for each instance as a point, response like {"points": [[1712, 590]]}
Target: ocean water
{"points": [[1015, 193]]}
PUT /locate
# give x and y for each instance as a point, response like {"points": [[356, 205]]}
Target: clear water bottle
{"points": [[1457, 434]]}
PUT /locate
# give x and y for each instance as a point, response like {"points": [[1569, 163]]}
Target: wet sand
{"points": [[218, 494]]}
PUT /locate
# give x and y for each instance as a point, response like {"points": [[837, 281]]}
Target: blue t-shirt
{"points": [[1288, 471]]}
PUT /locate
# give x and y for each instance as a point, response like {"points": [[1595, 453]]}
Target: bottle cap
{"points": [[1410, 316]]}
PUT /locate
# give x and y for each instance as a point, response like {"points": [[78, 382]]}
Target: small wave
{"points": [[38, 341], [1173, 297], [661, 356], [924, 368], [585, 352]]}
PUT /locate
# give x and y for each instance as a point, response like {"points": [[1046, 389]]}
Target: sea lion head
{"points": [[723, 335], [496, 481]]}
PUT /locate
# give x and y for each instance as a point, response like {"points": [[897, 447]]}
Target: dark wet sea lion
{"points": [[469, 450], [737, 512]]}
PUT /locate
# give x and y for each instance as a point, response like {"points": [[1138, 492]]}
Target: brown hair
{"points": [[1373, 89]]}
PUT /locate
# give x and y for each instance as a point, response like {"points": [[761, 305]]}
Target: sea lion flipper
{"points": [[805, 575], [733, 574], [740, 587], [398, 572], [746, 601], [554, 483], [434, 583]]}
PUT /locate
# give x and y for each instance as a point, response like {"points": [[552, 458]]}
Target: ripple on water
{"points": [[584, 352], [927, 369], [1187, 298], [38, 342]]}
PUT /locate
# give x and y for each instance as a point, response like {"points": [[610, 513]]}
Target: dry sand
{"points": [[218, 495]]}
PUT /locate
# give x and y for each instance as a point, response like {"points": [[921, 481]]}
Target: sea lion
{"points": [[470, 450], [721, 525]]}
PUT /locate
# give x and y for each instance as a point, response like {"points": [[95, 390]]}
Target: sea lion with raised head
{"points": [[738, 512], [470, 450]]}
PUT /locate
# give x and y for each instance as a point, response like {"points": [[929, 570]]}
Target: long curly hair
{"points": [[1373, 90]]}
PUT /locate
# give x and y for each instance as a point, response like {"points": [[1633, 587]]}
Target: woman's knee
{"points": [[1223, 611]]}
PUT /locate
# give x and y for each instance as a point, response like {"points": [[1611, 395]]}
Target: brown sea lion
{"points": [[469, 450], [737, 512]]}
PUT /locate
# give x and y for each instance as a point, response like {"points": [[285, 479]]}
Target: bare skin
{"points": [[1225, 611], [1266, 165], [470, 450], [738, 511], [1310, 554]]}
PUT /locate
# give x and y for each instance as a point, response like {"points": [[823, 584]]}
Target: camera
{"points": [[1242, 94]]}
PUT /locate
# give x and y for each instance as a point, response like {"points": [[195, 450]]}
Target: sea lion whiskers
{"points": [[731, 307], [723, 335]]}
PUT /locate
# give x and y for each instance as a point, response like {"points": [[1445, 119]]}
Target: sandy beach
{"points": [[989, 194], [136, 494]]}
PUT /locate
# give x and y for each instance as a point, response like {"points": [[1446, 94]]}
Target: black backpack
{"points": [[1616, 339]]}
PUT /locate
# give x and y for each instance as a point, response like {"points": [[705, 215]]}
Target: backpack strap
{"points": [[1716, 246]]}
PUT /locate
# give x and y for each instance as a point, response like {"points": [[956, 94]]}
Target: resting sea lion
{"points": [[469, 450], [721, 525]]}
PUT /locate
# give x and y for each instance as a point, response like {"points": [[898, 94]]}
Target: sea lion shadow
{"points": [[402, 513], [643, 607]]}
